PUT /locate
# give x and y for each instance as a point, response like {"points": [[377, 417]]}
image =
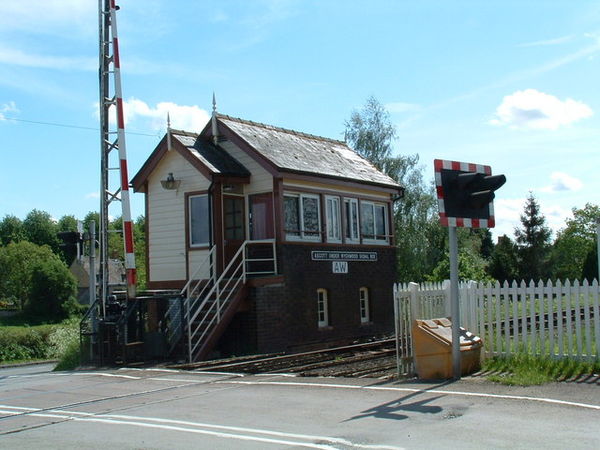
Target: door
{"points": [[261, 216], [233, 226]]}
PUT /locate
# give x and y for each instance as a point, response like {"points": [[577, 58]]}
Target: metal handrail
{"points": [[233, 280], [209, 259]]}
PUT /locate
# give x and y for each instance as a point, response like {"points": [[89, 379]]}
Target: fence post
{"points": [[415, 307], [397, 328], [446, 288]]}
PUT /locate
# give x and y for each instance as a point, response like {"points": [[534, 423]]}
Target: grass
{"points": [[526, 370], [24, 339]]}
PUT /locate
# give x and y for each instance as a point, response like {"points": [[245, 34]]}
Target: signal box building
{"points": [[281, 240]]}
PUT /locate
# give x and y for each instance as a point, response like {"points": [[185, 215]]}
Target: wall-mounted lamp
{"points": [[170, 183]]}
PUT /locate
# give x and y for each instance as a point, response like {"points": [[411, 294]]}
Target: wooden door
{"points": [[261, 216], [234, 228]]}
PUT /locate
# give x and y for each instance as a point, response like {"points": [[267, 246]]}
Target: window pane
{"points": [[310, 211], [380, 222], [199, 220], [333, 218], [367, 221], [292, 216]]}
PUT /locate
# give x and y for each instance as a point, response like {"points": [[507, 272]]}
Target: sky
{"points": [[510, 84]]}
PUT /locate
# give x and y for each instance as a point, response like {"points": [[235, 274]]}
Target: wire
{"points": [[64, 125]]}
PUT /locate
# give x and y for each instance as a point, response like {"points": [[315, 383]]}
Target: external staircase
{"points": [[209, 304]]}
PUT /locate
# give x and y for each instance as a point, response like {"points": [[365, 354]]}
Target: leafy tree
{"points": [[41, 229], [11, 230], [533, 241], [371, 133], [53, 291], [17, 260], [471, 266], [574, 250], [504, 263], [67, 223]]}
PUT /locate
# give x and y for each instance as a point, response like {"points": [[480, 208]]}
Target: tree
{"points": [[67, 223], [41, 229], [17, 260], [574, 250], [53, 291], [371, 133], [533, 242], [504, 262], [11, 230], [471, 266]]}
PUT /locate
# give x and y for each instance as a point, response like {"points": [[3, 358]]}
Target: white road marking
{"points": [[228, 432], [422, 391]]}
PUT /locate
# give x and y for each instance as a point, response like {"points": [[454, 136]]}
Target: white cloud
{"points": [[562, 182], [507, 212], [532, 109], [183, 117], [9, 107], [93, 195], [19, 58]]}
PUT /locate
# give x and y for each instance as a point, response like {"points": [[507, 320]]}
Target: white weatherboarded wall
{"points": [[166, 218]]}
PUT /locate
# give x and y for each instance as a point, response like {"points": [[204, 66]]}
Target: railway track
{"points": [[374, 359]]}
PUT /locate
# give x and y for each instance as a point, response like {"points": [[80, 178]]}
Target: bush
{"points": [[53, 290], [23, 343]]}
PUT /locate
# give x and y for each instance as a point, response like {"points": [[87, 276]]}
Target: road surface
{"points": [[166, 409]]}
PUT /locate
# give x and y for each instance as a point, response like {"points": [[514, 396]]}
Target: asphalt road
{"points": [[163, 409]]}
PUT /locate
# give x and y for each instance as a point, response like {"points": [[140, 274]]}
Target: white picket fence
{"points": [[551, 319]]}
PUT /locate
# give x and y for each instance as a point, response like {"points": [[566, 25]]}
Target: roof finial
{"points": [[215, 128], [168, 131]]}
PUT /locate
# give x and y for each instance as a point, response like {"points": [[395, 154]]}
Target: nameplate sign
{"points": [[343, 256]]}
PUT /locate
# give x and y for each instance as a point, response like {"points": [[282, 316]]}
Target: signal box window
{"points": [[365, 316], [322, 308], [199, 221], [302, 217], [373, 222]]}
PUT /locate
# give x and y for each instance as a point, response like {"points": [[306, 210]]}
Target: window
{"points": [[302, 217], [332, 216], [364, 305], [373, 222], [322, 308], [199, 220], [351, 216]]}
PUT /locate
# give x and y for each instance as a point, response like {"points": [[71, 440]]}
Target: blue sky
{"points": [[512, 84]]}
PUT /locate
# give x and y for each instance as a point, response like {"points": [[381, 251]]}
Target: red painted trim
{"points": [[128, 236], [120, 117], [116, 59], [124, 175]]}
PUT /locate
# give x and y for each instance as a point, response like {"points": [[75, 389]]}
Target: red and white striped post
{"points": [[125, 202]]}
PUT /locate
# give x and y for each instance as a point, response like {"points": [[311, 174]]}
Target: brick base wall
{"points": [[283, 316]]}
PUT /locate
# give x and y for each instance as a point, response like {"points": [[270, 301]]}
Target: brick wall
{"points": [[283, 317]]}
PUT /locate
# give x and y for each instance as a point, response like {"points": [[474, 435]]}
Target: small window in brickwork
{"points": [[322, 308], [365, 316]]}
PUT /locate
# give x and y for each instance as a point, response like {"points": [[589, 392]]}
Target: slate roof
{"points": [[214, 158], [299, 152]]}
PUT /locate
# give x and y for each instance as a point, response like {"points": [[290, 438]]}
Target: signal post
{"points": [[465, 194]]}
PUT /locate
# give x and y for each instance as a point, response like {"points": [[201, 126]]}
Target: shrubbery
{"points": [[38, 280], [38, 342]]}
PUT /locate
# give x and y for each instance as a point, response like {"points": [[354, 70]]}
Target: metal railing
{"points": [[205, 310]]}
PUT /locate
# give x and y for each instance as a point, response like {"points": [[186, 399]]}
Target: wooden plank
{"points": [[577, 292], [542, 309], [559, 316], [550, 297], [586, 318]]}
